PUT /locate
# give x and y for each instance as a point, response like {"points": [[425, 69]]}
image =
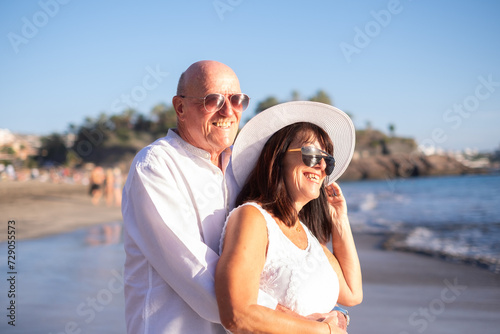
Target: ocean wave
{"points": [[465, 244], [455, 218]]}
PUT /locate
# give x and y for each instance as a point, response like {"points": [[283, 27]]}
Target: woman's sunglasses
{"points": [[311, 156], [214, 102]]}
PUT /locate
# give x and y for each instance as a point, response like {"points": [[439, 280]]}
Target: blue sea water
{"points": [[454, 217]]}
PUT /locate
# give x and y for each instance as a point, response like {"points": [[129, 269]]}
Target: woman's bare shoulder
{"points": [[247, 220], [247, 213]]}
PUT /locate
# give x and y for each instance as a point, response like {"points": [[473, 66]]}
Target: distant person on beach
{"points": [[288, 210], [97, 178], [11, 172], [109, 186], [2, 170], [117, 185]]}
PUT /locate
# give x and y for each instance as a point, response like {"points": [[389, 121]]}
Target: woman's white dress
{"points": [[300, 279]]}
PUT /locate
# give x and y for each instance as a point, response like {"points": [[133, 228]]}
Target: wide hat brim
{"points": [[253, 136]]}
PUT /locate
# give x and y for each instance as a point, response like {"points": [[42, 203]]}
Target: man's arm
{"points": [[340, 320], [160, 221]]}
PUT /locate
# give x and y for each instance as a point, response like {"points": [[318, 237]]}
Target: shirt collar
{"points": [[225, 155], [225, 158]]}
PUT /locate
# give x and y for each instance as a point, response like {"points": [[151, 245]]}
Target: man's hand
{"points": [[341, 320], [334, 318]]}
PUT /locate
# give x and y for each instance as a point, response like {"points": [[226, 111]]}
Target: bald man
{"points": [[178, 193]]}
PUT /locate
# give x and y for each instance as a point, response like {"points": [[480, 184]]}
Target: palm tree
{"points": [[321, 96], [392, 129], [267, 103]]}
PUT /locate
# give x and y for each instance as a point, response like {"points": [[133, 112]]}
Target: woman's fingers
{"points": [[333, 190]]}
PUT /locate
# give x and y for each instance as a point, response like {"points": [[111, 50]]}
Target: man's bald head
{"points": [[198, 76]]}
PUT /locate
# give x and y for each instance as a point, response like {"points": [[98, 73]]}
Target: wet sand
{"points": [[413, 293], [42, 209], [67, 283], [71, 258]]}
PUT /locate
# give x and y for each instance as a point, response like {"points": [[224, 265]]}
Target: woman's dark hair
{"points": [[266, 183]]}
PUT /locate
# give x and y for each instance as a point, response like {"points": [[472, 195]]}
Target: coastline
{"points": [[404, 292]]}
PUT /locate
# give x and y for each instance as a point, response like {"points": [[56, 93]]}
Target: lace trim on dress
{"points": [[299, 279]]}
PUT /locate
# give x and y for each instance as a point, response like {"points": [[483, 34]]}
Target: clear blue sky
{"points": [[431, 68]]}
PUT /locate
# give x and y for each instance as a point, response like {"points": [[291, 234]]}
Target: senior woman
{"points": [[288, 209]]}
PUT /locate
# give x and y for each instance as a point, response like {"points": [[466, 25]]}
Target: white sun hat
{"points": [[260, 128]]}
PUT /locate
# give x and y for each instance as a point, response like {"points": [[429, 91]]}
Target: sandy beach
{"points": [[44, 208], [403, 292]]}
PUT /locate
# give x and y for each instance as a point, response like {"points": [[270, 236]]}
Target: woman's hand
{"points": [[334, 325], [338, 205], [334, 318], [344, 259]]}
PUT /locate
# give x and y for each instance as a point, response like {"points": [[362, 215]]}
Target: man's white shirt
{"points": [[175, 202]]}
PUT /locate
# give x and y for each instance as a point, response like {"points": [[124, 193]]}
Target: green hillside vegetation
{"points": [[111, 140]]}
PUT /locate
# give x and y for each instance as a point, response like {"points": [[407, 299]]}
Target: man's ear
{"points": [[178, 104]]}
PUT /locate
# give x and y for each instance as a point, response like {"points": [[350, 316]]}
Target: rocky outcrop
{"points": [[403, 165], [379, 156]]}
